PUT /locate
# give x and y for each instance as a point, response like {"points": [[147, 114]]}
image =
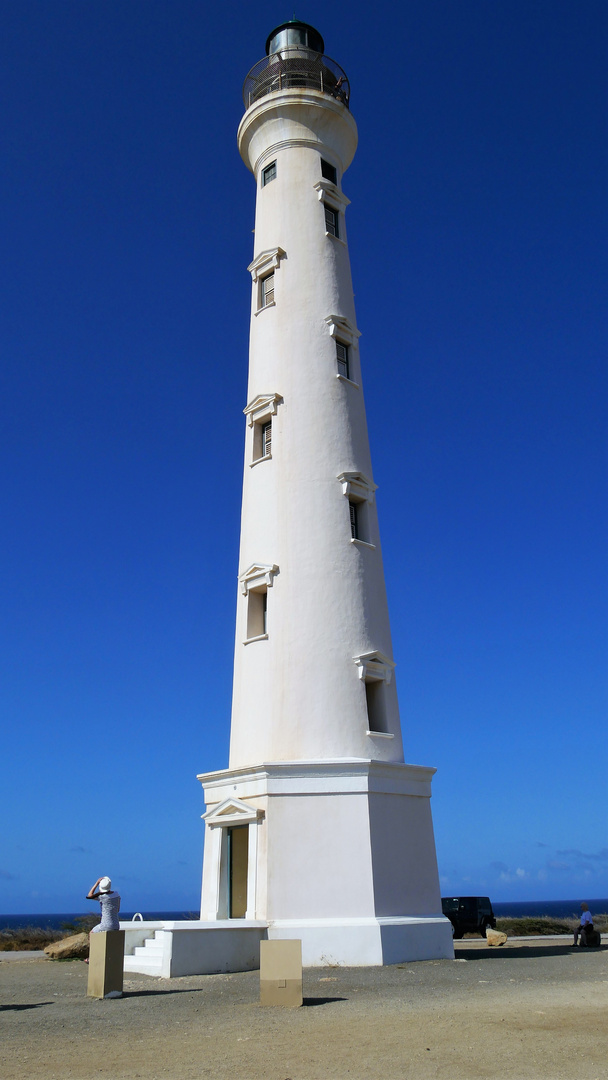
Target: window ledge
{"points": [[260, 637], [362, 543], [349, 381], [265, 308], [266, 457], [338, 239], [380, 734]]}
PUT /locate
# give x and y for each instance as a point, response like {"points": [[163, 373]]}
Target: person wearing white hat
{"points": [[110, 904]]}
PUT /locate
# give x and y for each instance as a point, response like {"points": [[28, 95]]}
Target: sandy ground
{"points": [[524, 1011]]}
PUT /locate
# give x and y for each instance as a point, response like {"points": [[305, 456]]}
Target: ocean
{"points": [[516, 909], [559, 909], [56, 921]]}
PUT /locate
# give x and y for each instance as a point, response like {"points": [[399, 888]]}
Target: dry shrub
{"points": [[83, 924], [537, 925], [25, 938]]}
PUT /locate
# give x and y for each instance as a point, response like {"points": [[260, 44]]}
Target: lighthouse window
{"points": [[266, 439], [354, 520], [267, 290], [359, 522], [328, 172], [257, 613], [376, 707], [262, 440], [342, 359], [269, 173], [331, 221], [262, 272]]}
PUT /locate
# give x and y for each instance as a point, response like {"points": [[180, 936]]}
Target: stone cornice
{"points": [[232, 812], [330, 194], [341, 327], [375, 667], [300, 117], [263, 405], [256, 575], [265, 262], [357, 486], [347, 776]]}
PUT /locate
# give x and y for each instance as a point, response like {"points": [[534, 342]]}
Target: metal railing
{"points": [[296, 67]]}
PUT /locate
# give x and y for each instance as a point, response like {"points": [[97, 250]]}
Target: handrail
{"points": [[292, 68]]}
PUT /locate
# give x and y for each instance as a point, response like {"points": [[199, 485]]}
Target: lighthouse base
{"points": [[340, 854], [367, 942], [170, 949]]}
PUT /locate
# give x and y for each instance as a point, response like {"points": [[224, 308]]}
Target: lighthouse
{"points": [[318, 829]]}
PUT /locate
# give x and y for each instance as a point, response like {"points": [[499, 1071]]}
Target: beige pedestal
{"points": [[281, 973], [106, 959]]}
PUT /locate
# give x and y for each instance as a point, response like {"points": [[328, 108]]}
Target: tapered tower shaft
{"points": [[313, 670]]}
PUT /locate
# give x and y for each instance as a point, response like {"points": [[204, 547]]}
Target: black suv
{"points": [[468, 914]]}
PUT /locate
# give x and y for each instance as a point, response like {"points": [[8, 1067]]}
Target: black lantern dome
{"points": [[294, 33]]}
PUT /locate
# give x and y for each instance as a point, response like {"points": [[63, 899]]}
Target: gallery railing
{"points": [[295, 67]]}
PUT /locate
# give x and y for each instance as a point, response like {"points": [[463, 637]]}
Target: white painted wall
{"points": [[319, 857], [298, 695]]}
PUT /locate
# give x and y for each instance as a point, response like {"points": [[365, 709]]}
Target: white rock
{"points": [[495, 937]]}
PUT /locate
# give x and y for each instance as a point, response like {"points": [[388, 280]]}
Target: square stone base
{"points": [[106, 959]]}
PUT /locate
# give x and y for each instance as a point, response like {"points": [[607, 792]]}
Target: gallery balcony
{"points": [[296, 68]]}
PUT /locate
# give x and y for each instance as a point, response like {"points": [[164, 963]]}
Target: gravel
{"points": [[525, 1011]]}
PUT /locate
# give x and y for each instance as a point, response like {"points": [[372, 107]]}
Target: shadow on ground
{"points": [[20, 1008], [525, 952], [198, 990], [163, 993], [322, 1000]]}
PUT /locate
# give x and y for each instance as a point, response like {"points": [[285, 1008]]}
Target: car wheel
{"points": [[483, 928]]}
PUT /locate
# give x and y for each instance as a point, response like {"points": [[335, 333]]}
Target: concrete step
{"points": [[147, 959], [144, 965], [149, 949]]}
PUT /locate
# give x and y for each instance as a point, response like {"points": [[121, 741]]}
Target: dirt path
{"points": [[523, 1013]]}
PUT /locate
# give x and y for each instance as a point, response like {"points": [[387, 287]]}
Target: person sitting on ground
{"points": [[586, 925], [110, 904]]}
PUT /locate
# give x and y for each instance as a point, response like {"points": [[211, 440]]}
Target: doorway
{"points": [[238, 858]]}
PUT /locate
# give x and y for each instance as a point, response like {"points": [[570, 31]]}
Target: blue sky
{"points": [[477, 232]]}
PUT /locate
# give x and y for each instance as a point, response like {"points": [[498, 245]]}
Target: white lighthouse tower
{"points": [[317, 830]]}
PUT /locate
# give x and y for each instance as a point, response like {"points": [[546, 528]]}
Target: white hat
{"points": [[105, 885]]}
